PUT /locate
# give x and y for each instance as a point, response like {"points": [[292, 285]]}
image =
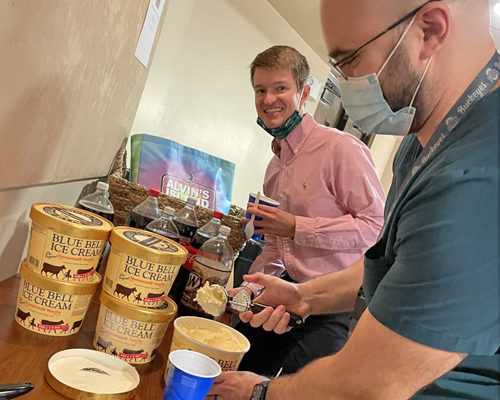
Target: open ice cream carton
{"points": [[218, 341]]}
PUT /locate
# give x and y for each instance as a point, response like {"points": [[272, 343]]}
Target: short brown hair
{"points": [[283, 57]]}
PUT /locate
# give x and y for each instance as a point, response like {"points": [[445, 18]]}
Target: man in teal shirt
{"points": [[432, 282]]}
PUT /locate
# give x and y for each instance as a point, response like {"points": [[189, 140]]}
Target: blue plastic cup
{"points": [[267, 201], [190, 375]]}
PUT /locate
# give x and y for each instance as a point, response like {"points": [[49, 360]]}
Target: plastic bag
{"points": [[180, 171]]}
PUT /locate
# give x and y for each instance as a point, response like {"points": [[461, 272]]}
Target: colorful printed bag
{"points": [[180, 171]]}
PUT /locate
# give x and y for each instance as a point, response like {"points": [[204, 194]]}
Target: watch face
{"points": [[259, 391]]}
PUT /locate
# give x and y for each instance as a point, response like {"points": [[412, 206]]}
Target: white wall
{"points": [[495, 24], [198, 91], [384, 148], [15, 222]]}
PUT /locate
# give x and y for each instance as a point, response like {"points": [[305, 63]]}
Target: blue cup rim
{"points": [[266, 199], [191, 353]]}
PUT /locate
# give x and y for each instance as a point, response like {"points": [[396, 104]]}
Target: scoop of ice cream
{"points": [[212, 298], [222, 338]]}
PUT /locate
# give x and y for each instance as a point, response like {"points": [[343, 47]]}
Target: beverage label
{"points": [[193, 251], [204, 269]]}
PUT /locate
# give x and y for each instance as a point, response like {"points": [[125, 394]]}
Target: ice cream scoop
{"points": [[12, 390], [214, 299]]}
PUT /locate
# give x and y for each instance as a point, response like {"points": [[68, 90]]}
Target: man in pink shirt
{"points": [[330, 213]]}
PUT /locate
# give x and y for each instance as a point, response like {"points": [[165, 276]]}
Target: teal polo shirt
{"points": [[434, 276]]}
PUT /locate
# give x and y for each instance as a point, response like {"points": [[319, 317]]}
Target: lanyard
{"points": [[478, 89]]}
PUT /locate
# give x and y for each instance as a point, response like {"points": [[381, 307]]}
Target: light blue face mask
{"points": [[364, 103]]}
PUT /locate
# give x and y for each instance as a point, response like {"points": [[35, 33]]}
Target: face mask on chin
{"points": [[286, 127], [364, 102]]}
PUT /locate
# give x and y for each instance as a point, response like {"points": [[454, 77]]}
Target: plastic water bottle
{"points": [[186, 222], [145, 212], [98, 202], [213, 263], [164, 225], [206, 232]]}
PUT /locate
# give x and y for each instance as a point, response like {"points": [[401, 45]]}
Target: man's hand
{"points": [[274, 221], [280, 294], [235, 385]]}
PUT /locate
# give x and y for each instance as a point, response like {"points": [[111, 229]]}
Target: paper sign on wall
{"points": [[149, 29]]}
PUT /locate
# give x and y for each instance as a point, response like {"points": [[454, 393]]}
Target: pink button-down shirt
{"points": [[328, 180]]}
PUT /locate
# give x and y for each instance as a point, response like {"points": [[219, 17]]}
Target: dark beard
{"points": [[400, 83]]}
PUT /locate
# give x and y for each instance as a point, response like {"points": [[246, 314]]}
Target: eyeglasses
{"points": [[337, 65]]}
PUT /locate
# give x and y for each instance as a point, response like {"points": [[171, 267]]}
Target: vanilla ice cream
{"points": [[222, 338], [224, 344], [212, 298]]}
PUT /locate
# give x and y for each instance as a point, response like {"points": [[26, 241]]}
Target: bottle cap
{"points": [[218, 215], [102, 186], [154, 193], [192, 200], [169, 210], [225, 230]]}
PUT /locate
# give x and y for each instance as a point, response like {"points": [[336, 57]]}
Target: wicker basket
{"points": [[125, 195]]}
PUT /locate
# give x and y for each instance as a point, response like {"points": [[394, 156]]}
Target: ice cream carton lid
{"points": [[71, 221], [148, 246], [91, 374]]}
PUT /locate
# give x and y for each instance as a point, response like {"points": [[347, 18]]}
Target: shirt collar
{"points": [[297, 137]]}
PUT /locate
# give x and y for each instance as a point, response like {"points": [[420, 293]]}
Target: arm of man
{"points": [[376, 363], [436, 304], [352, 177], [313, 297]]}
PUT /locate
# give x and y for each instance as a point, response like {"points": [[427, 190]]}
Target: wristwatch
{"points": [[260, 390]]}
